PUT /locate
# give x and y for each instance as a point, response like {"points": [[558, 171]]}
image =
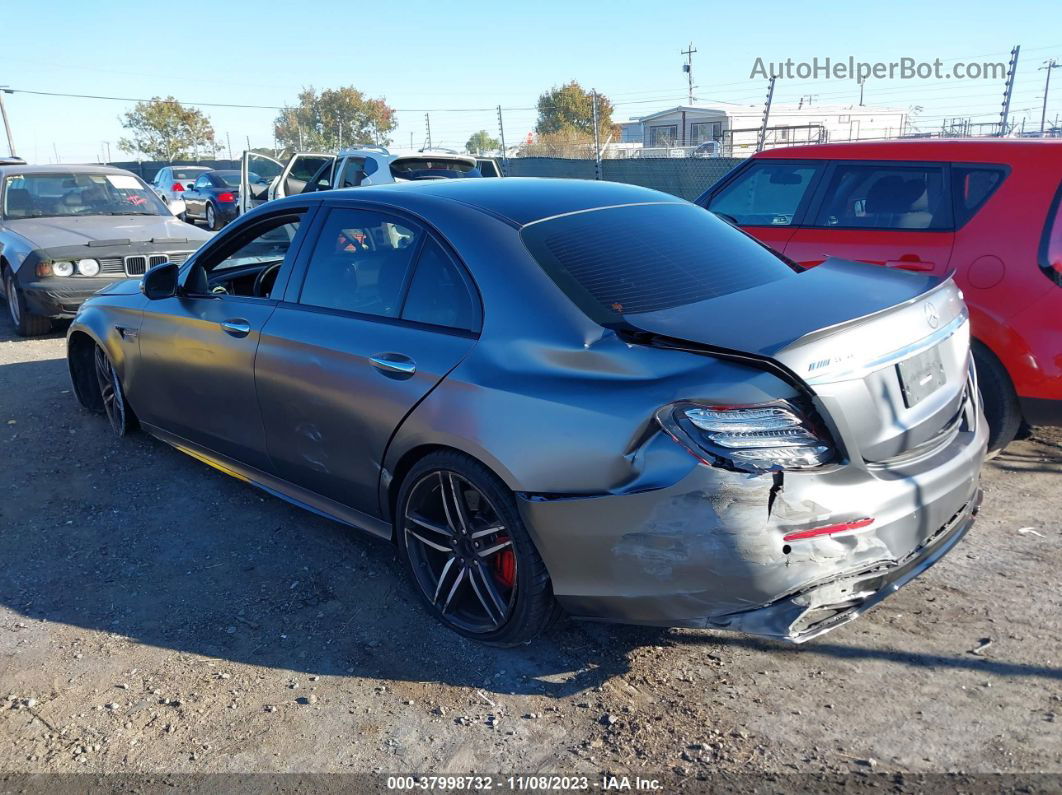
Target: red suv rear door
{"points": [[896, 214], [767, 198]]}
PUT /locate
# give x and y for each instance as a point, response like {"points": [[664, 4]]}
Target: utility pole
{"points": [[1048, 66], [340, 126], [7, 124], [597, 138], [427, 126], [108, 145], [1009, 89], [688, 69], [501, 131], [761, 139]]}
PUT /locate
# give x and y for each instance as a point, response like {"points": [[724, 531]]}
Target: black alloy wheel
{"points": [[469, 554], [114, 406]]}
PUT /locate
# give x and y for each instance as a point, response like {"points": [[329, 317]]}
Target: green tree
{"points": [[164, 129], [481, 142], [333, 119], [567, 113]]}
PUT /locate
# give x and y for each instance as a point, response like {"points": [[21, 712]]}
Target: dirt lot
{"points": [[157, 616]]}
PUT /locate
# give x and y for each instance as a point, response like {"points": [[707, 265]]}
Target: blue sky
{"points": [[431, 55]]}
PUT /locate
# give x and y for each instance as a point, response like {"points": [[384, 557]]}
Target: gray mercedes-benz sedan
{"points": [[561, 395]]}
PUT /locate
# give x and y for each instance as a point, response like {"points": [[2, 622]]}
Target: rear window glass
{"points": [[971, 187], [188, 173], [643, 258], [432, 168]]}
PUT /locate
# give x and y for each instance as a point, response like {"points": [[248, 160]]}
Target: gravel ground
{"points": [[159, 617]]}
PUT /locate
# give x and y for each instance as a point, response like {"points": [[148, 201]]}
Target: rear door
{"points": [[381, 312], [298, 173], [886, 213], [767, 198]]}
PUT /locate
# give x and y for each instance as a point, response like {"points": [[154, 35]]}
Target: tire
{"points": [[26, 324], [1002, 410], [212, 218], [115, 406], [495, 587]]}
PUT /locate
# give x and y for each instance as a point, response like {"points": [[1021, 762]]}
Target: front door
{"points": [[195, 376], [382, 314], [767, 198], [894, 214]]}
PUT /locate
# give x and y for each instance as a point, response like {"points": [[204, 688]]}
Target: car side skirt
{"points": [[1041, 411], [285, 490]]}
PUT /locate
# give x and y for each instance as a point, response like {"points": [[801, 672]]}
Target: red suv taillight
{"points": [[226, 197], [765, 437], [177, 187]]}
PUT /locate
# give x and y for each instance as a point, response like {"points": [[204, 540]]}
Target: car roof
{"points": [[62, 168], [969, 149], [518, 200]]}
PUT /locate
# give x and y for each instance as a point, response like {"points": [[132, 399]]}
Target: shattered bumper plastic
{"points": [[820, 608], [710, 549]]}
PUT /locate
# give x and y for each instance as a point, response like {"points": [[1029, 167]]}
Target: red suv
{"points": [[989, 211]]}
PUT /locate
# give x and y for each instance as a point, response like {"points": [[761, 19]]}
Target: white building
{"points": [[736, 127]]}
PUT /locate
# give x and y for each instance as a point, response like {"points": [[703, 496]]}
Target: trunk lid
{"points": [[886, 353]]}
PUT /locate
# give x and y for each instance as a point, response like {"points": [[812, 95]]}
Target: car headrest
{"points": [[889, 195], [19, 202]]}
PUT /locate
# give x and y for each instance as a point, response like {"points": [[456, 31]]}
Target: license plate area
{"points": [[920, 376]]}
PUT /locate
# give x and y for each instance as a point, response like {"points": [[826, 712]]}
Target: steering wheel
{"points": [[267, 274]]}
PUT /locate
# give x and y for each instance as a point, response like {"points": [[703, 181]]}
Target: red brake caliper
{"points": [[505, 565]]}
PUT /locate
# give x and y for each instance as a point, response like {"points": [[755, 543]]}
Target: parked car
{"points": [[212, 198], [67, 231], [171, 182], [986, 211], [306, 172], [644, 416]]}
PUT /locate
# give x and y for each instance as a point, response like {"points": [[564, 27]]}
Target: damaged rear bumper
{"points": [[825, 606], [710, 550]]}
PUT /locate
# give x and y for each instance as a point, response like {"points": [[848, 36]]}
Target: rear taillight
{"points": [[177, 187], [759, 438], [226, 197]]}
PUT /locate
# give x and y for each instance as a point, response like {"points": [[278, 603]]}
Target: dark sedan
{"points": [[562, 395], [213, 198]]}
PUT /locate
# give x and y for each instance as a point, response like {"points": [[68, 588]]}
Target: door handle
{"points": [[393, 363], [236, 327]]}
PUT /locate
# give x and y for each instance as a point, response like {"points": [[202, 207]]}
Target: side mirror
{"points": [[161, 281]]}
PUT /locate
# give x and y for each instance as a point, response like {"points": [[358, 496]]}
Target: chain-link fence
{"points": [[687, 177]]}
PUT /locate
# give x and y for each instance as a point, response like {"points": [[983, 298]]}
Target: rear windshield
{"points": [[643, 258], [188, 173], [433, 168]]}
